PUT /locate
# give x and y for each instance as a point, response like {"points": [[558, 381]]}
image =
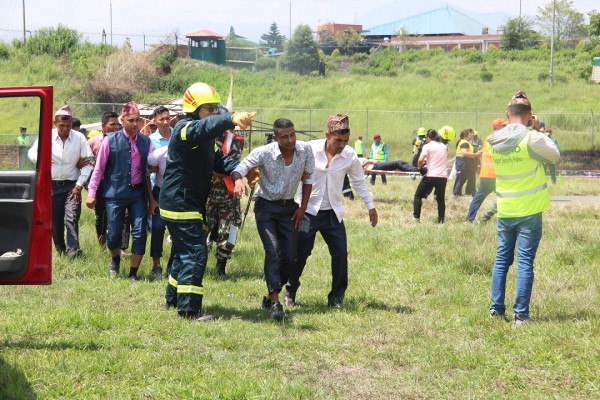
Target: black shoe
{"points": [[197, 317], [289, 300], [334, 304], [276, 311], [221, 264], [266, 303], [75, 253], [156, 273], [134, 278], [169, 305], [113, 269]]}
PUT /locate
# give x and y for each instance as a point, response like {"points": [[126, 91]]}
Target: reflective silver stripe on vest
{"points": [[519, 176], [523, 193]]}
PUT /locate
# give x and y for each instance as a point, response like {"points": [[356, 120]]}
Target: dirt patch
{"points": [[579, 160]]}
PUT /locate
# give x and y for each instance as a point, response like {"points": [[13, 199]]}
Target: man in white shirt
{"points": [[71, 168], [333, 160]]}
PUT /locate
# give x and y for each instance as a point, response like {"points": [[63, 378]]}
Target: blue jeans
{"points": [[334, 234], [524, 233], [158, 229], [486, 186], [115, 215]]}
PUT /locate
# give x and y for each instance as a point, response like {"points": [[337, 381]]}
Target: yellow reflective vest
{"points": [[521, 186], [359, 146], [487, 162]]}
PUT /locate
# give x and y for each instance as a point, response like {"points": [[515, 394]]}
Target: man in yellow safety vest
{"points": [[522, 193]]}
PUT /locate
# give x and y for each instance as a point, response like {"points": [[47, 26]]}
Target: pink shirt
{"points": [[137, 175], [436, 154], [95, 143]]}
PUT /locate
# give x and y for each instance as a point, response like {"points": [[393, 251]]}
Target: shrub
{"points": [[486, 76], [585, 72], [56, 42], [474, 56], [359, 57], [4, 51], [266, 63], [335, 53], [424, 72]]}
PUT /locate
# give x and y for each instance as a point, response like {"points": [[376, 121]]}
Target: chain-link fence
{"points": [[573, 130]]}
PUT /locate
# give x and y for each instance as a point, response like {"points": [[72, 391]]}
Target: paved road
{"points": [[576, 199]]}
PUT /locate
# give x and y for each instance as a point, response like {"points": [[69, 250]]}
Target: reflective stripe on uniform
{"points": [[191, 289], [180, 215], [522, 193], [172, 281], [184, 131], [518, 176]]}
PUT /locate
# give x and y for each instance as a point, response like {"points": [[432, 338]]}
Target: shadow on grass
{"points": [[579, 315], [14, 383]]}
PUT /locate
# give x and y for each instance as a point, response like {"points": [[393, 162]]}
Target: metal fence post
{"points": [[310, 119], [367, 123], [593, 126]]}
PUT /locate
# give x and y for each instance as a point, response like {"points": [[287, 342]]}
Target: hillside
{"points": [[390, 93]]}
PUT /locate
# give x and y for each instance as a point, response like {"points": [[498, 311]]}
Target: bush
{"points": [[359, 57], [424, 72], [266, 63], [335, 53], [585, 72], [474, 56], [56, 42], [486, 76], [4, 51]]}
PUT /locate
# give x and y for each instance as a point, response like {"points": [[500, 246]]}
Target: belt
{"points": [[279, 202], [137, 185], [62, 183]]}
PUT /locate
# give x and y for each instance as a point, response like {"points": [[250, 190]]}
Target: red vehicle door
{"points": [[25, 187]]}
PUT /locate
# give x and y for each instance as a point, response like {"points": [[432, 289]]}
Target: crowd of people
{"points": [[188, 178]]}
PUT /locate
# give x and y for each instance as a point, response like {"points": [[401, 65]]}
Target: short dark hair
{"points": [[106, 115], [519, 110], [159, 110], [434, 135], [76, 123], [282, 123]]}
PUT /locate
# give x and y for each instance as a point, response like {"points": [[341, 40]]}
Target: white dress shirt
{"points": [[158, 158], [328, 181], [65, 156]]}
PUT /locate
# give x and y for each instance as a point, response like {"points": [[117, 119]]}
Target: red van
{"points": [[25, 188]]}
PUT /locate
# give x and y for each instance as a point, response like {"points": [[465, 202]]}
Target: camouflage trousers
{"points": [[222, 209]]}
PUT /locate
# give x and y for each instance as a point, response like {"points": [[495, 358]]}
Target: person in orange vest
{"points": [[487, 181]]}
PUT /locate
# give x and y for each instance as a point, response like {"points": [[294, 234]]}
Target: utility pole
{"points": [[552, 44], [111, 32], [290, 38], [24, 37], [520, 1]]}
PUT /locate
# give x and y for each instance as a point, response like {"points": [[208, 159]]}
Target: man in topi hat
{"points": [[121, 164]]}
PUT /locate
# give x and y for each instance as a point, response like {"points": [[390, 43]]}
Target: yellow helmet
{"points": [[447, 133], [421, 132], [198, 94]]}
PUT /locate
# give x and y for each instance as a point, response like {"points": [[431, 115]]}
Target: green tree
{"points": [[569, 25], [56, 42], [518, 34], [594, 26], [348, 39], [301, 54], [273, 38]]}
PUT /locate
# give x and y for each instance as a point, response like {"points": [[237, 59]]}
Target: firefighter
{"points": [[191, 160], [418, 144], [223, 208]]}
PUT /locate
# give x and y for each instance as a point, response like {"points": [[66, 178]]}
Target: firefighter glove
{"points": [[242, 119]]}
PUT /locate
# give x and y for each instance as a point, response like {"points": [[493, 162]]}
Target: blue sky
{"points": [[157, 19]]}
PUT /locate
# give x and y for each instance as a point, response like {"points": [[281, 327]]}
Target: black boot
{"points": [[221, 267]]}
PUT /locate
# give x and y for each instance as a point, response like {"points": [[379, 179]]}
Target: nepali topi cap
{"points": [[337, 123], [130, 108]]}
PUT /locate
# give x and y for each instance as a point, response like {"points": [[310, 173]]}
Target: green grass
{"points": [[414, 324]]}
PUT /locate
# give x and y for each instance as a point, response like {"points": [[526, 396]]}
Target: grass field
{"points": [[414, 324]]}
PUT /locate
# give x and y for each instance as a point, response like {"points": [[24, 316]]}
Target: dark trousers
{"points": [[188, 263], [486, 186], [100, 211], [65, 212], [279, 238], [158, 229], [334, 234], [465, 176], [347, 189], [424, 188], [115, 214], [374, 177]]}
